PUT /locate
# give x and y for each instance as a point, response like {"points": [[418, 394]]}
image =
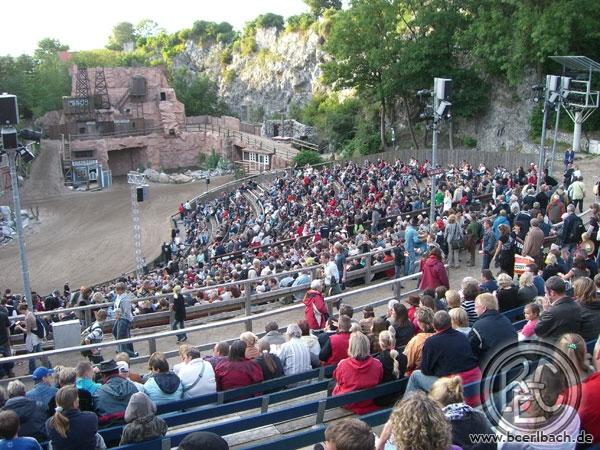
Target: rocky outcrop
{"points": [[283, 70]]}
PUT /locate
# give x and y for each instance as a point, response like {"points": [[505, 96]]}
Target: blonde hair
{"points": [[249, 338], [387, 340], [359, 345], [504, 280], [424, 315], [418, 423], [574, 347], [447, 390], [487, 300], [551, 258], [526, 279], [451, 218], [459, 317], [65, 401], [183, 349], [584, 290], [453, 298]]}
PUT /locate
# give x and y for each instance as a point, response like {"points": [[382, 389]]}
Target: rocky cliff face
{"points": [[283, 69]]}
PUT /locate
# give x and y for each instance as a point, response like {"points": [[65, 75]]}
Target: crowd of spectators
{"points": [[440, 339]]}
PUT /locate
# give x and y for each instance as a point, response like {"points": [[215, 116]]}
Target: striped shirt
{"points": [[295, 357], [469, 306]]}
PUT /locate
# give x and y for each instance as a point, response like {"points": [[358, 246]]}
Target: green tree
{"points": [[317, 7], [305, 157], [198, 93], [364, 44], [48, 48], [122, 33], [147, 28]]}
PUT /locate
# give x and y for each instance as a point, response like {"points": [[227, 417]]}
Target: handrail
{"points": [[217, 324], [205, 288]]}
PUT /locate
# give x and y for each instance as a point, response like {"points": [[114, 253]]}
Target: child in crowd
{"points": [[9, 430], [532, 314]]}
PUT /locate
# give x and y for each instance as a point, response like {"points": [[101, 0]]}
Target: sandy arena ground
{"points": [[86, 237]]}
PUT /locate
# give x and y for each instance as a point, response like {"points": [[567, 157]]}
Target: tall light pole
{"points": [[437, 112], [136, 180], [14, 182]]}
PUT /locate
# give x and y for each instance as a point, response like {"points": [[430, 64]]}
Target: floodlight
{"points": [[443, 109]]}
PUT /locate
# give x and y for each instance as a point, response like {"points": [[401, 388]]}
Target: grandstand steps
{"points": [[266, 433], [253, 200]]}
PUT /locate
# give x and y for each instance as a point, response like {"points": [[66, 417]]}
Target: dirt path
{"points": [[85, 237]]}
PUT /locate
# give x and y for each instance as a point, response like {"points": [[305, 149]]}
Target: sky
{"points": [[87, 25]]}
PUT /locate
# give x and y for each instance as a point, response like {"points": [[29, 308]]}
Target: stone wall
{"points": [[159, 150]]}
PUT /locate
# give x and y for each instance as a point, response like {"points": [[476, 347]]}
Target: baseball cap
{"points": [[41, 372], [123, 366]]}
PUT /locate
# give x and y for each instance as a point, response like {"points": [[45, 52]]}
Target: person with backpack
{"points": [[94, 335], [573, 228], [35, 333]]}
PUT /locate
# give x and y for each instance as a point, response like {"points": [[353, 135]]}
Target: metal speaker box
{"points": [[9, 110]]}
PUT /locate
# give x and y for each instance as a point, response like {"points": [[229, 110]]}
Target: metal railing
{"points": [[247, 320]]}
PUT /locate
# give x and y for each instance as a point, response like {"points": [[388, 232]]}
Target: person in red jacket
{"points": [[359, 371], [335, 348], [315, 309], [237, 371], [434, 272]]}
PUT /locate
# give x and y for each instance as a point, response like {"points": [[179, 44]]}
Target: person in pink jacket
{"points": [[315, 309], [434, 272], [359, 371]]}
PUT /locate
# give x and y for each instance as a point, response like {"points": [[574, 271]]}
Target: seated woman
{"points": [[359, 371], [527, 290], [460, 320], [379, 325], [70, 428], [578, 270], [416, 422], [251, 341], [269, 363], [507, 293], [237, 371], [465, 421], [163, 386], [552, 266], [393, 363], [312, 343], [584, 292], [414, 348], [142, 422], [404, 328]]}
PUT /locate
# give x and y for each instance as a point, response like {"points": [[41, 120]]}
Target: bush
{"points": [[213, 160], [470, 141], [300, 22], [307, 157], [226, 57]]}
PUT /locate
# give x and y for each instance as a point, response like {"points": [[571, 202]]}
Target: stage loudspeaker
{"points": [[208, 181], [140, 194], [9, 110]]}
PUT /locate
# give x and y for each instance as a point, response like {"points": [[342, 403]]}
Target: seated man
{"points": [[44, 388], [561, 314], [491, 331], [334, 349], [111, 399], [447, 352], [197, 375], [32, 414]]}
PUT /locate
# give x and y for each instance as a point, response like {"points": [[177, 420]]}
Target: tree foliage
{"points": [[305, 157], [122, 33], [198, 93], [317, 7]]}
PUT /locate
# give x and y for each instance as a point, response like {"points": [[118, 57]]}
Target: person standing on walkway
{"points": [[576, 191], [34, 335], [178, 308], [123, 319]]}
